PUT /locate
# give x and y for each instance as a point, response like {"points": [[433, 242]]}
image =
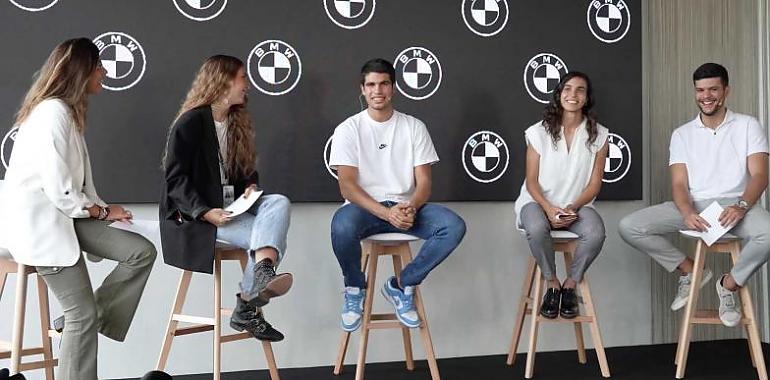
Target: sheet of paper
{"points": [[150, 229], [716, 231], [242, 204]]}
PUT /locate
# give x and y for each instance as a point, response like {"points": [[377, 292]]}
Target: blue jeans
{"points": [[265, 224], [439, 226]]}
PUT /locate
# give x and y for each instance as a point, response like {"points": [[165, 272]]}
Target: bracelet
{"points": [[103, 212]]}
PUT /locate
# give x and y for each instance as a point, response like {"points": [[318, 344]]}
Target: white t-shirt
{"points": [[563, 175], [221, 129], [716, 159], [384, 153]]}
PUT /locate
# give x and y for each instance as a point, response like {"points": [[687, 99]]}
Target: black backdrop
{"points": [[485, 80]]}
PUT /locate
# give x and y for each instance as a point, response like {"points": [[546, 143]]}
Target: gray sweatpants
{"points": [[111, 308], [645, 230], [589, 227]]}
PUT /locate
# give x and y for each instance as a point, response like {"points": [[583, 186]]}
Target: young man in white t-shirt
{"points": [[383, 160], [719, 156]]}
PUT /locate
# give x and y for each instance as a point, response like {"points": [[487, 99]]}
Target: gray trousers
{"points": [[111, 308], [645, 230], [589, 227]]}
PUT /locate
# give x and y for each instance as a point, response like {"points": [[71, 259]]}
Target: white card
{"points": [[711, 215], [242, 204]]}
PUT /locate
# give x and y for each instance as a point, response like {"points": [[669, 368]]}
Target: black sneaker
{"points": [[270, 284], [247, 317], [550, 306], [569, 304]]}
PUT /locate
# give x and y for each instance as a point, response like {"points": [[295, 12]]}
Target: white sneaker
{"points": [[683, 292], [729, 308]]}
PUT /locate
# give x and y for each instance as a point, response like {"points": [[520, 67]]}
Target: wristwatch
{"points": [[742, 204]]}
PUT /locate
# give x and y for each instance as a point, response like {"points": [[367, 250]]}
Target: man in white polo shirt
{"points": [[383, 160], [718, 156]]}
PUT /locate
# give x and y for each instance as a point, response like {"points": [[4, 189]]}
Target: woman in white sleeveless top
{"points": [[566, 152]]}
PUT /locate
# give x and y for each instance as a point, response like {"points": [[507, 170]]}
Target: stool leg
{"points": [[3, 277], [406, 257], [692, 304], [579, 340], [596, 334], [524, 300], [45, 327], [405, 334], [217, 318], [343, 348], [168, 338], [533, 324], [755, 343], [370, 287], [18, 322]]}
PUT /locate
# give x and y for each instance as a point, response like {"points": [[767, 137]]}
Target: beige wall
{"points": [[679, 36]]}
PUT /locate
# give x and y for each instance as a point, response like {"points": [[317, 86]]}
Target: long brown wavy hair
{"points": [[65, 76], [553, 112], [210, 86]]}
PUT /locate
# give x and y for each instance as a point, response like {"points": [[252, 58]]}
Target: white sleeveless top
{"points": [[563, 175]]}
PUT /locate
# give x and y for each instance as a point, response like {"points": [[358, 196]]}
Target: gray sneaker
{"points": [[683, 291], [729, 307]]}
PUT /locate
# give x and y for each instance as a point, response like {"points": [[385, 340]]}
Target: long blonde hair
{"points": [[65, 76], [211, 84]]}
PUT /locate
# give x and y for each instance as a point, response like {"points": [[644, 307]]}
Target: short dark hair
{"points": [[378, 65], [711, 70]]}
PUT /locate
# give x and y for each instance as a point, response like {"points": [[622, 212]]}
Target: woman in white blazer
{"points": [[566, 152], [50, 211]]}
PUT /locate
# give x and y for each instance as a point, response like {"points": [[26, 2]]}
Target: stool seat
{"points": [[690, 234], [225, 245], [391, 238], [5, 254]]}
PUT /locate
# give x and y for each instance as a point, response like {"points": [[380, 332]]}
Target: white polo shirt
{"points": [[716, 159], [385, 153]]}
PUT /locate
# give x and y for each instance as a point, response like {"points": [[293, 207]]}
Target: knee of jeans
{"points": [[341, 226], [455, 229], [279, 201]]}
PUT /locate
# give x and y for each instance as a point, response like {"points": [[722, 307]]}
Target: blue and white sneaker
{"points": [[353, 308], [403, 301]]}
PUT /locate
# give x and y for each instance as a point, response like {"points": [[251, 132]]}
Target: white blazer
{"points": [[47, 184]]}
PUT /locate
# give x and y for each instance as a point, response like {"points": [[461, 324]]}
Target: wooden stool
{"points": [[529, 304], [203, 324], [14, 350], [727, 244], [396, 246]]}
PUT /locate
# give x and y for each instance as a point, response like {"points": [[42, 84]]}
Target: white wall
{"points": [[470, 299]]}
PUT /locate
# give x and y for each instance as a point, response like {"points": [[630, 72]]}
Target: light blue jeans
{"points": [[264, 225]]}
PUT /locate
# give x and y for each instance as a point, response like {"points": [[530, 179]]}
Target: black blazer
{"points": [[192, 187]]}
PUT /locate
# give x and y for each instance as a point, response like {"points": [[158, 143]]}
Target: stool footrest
{"points": [[234, 337], [38, 365], [194, 329], [384, 325], [5, 351], [711, 317]]}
